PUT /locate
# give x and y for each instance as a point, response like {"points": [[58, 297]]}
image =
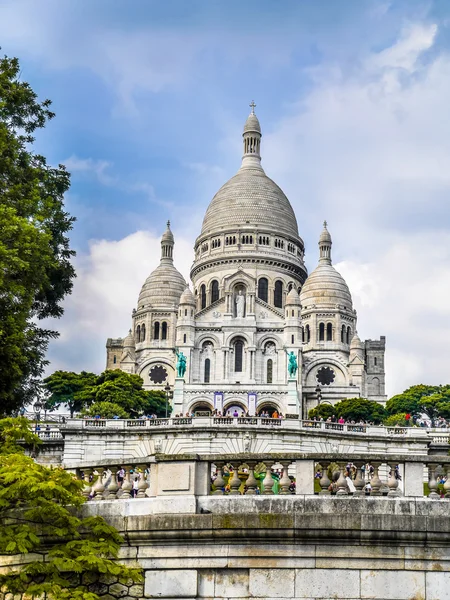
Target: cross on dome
{"points": [[252, 106]]}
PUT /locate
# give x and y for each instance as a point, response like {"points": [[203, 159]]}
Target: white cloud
{"points": [[98, 168], [109, 278]]}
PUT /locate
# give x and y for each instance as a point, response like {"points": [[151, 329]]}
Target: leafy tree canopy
{"points": [[37, 504], [397, 419], [434, 401], [94, 394], [35, 268], [351, 409]]}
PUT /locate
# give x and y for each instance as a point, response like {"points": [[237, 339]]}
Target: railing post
{"points": [[113, 488], [413, 479], [219, 482], [235, 482], [324, 481], [447, 483], [267, 482], [285, 482], [359, 482], [251, 482], [341, 483], [304, 477], [394, 491], [142, 483], [87, 484], [432, 482], [127, 486], [376, 482]]}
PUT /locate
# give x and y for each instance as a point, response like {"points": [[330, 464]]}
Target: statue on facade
{"points": [[240, 304], [181, 363], [292, 363]]}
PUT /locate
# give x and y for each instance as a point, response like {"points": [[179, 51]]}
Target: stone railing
{"points": [[53, 434], [194, 475], [435, 435]]}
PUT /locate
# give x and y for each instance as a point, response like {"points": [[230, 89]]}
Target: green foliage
{"points": [[74, 389], [323, 410], [106, 410], [434, 401], [35, 269], [351, 409], [397, 419], [39, 504], [86, 392], [360, 408]]}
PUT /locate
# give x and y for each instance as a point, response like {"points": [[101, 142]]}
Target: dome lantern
{"points": [[325, 244], [252, 140]]}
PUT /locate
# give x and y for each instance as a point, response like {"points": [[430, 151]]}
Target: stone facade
{"points": [[252, 302]]}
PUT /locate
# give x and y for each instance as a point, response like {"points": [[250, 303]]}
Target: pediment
{"points": [[356, 360], [240, 276], [266, 311], [127, 357]]}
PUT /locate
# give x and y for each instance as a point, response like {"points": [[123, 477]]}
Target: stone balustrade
{"points": [[250, 475], [436, 435]]}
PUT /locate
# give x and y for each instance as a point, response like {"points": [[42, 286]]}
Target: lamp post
{"points": [[167, 389], [37, 411], [318, 394]]}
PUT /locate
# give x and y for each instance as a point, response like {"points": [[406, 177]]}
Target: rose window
{"points": [[325, 375]]}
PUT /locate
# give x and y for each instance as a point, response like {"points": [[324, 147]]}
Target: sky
{"points": [[150, 100]]}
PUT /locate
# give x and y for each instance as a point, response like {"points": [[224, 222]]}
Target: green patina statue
{"points": [[292, 364], [181, 363]]}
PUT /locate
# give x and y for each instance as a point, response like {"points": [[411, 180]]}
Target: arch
{"points": [[138, 333], [278, 294], [268, 405], [156, 330], [329, 332], [321, 332], [230, 404], [115, 359], [328, 362], [307, 334], [290, 286], [142, 332], [202, 296], [349, 335], [164, 330], [214, 291], [207, 371], [343, 334], [238, 356], [263, 289], [201, 405], [269, 371], [303, 334], [375, 386], [207, 337]]}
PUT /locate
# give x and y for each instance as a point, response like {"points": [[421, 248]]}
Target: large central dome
{"points": [[250, 198]]}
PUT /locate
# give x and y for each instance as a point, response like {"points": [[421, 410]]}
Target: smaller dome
{"points": [[187, 297], [128, 342], [162, 288], [252, 124], [325, 287], [293, 298]]}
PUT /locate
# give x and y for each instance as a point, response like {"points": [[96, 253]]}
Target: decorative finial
{"points": [[168, 224], [252, 106], [325, 224]]}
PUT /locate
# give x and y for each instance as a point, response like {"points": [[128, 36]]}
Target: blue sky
{"points": [[151, 98]]}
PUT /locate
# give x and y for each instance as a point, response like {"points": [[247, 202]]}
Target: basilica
{"points": [[251, 305]]}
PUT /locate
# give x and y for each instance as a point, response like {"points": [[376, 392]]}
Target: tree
{"points": [[409, 400], [106, 410], [38, 513], [80, 391], [356, 409], [35, 268], [77, 390], [397, 419], [322, 411]]}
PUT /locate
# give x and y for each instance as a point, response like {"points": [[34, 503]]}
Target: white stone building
{"points": [[252, 301]]}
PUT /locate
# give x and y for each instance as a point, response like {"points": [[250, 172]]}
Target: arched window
{"points": [[278, 294], [143, 333], [343, 334], [290, 286], [292, 339], [374, 361], [115, 359], [184, 338], [185, 312], [349, 333], [164, 331], [303, 334], [238, 356], [263, 289], [202, 297], [214, 291], [329, 332], [156, 330], [207, 370], [269, 370], [307, 334], [321, 332], [138, 333]]}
